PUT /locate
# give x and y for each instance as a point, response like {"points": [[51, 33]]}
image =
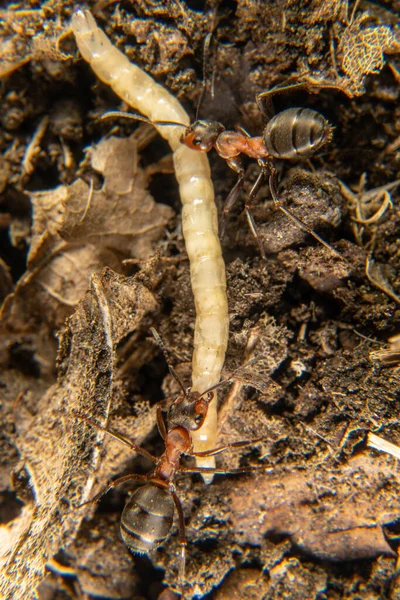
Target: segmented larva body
{"points": [[199, 213]]}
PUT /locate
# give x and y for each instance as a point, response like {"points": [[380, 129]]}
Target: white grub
{"points": [[199, 214]]}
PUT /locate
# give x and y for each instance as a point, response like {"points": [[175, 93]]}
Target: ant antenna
{"points": [[231, 377], [206, 48], [164, 350], [119, 114], [206, 52]]}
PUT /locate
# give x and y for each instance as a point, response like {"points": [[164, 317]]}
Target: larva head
{"points": [[202, 135], [189, 410]]}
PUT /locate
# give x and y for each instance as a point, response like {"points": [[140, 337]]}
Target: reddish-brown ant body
{"points": [[147, 517], [291, 134]]}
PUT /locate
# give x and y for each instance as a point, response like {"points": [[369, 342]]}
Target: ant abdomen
{"points": [[296, 132], [147, 518]]}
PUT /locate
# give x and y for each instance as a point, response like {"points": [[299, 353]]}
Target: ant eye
{"points": [[196, 141], [198, 419]]}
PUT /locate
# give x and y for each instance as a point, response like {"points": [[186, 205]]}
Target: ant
{"points": [[147, 517], [291, 134]]}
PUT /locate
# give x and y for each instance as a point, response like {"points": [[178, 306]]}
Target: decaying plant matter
{"points": [[93, 256]]}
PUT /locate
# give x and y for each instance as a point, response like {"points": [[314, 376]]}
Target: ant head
{"points": [[202, 135], [189, 410]]}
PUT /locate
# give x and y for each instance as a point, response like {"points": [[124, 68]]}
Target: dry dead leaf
{"points": [[363, 49], [76, 233], [333, 513], [30, 34], [328, 10], [266, 345], [122, 215], [60, 455]]}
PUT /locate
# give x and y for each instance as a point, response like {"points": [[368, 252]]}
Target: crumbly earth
{"points": [[92, 256]]}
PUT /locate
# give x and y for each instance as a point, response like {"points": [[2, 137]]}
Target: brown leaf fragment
{"points": [[59, 454], [320, 511], [29, 34], [327, 11], [122, 215], [76, 232], [379, 275], [360, 48], [265, 351], [5, 280], [363, 48], [357, 543]]}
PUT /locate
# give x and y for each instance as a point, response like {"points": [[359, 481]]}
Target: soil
{"points": [[92, 257]]}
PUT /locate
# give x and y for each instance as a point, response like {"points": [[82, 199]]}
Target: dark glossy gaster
{"points": [[296, 133]]}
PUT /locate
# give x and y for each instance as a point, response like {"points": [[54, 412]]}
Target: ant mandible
{"points": [[147, 517]]}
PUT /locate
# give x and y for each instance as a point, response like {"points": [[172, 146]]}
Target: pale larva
{"points": [[199, 213]]}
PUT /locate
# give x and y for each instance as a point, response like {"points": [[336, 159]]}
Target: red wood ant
{"points": [[291, 134], [147, 517]]}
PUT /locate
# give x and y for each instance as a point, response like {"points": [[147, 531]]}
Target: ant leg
{"points": [[119, 437], [236, 165], [242, 130], [220, 449], [278, 89], [161, 424], [231, 199], [217, 471], [253, 193], [182, 538], [233, 196], [114, 484], [299, 223]]}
